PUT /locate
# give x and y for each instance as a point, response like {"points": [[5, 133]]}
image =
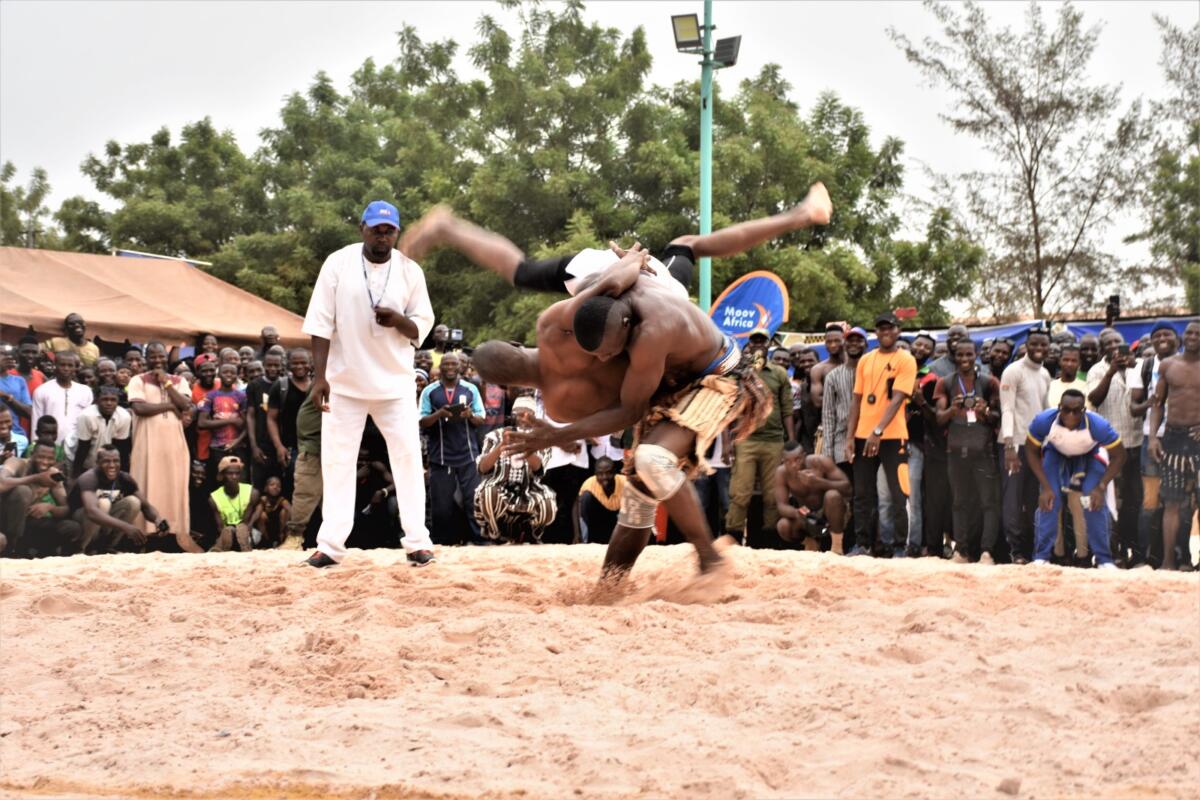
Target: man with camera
{"points": [[1108, 394], [450, 408], [35, 504]]}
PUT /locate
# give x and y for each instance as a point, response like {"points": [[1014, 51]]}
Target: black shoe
{"points": [[419, 558], [912, 551], [320, 560]]}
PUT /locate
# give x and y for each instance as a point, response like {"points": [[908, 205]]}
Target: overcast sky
{"points": [[75, 74]]}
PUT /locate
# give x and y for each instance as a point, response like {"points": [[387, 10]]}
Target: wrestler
{"points": [[1178, 450], [810, 493]]}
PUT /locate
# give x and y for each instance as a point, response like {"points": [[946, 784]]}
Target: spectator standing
{"points": [[806, 417], [308, 486], [1142, 383], [599, 501], [1108, 394], [160, 462], [12, 444], [1178, 449], [1089, 353], [944, 365], [27, 361], [206, 381], [1068, 376], [14, 392], [269, 337], [223, 415], [757, 457], [998, 357], [1022, 397], [283, 406], [511, 501], [202, 526], [1063, 449], [450, 408], [883, 381], [969, 404], [104, 423], [263, 459], [62, 398], [369, 309], [839, 392], [834, 341], [74, 341]]}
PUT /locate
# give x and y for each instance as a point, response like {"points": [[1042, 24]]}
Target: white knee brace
{"points": [[659, 470]]}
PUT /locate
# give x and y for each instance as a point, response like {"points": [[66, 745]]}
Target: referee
{"points": [[369, 311]]}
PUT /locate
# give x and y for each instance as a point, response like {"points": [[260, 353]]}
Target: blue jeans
{"points": [[887, 528], [1045, 523]]}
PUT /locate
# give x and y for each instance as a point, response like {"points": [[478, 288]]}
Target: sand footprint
{"points": [[58, 605]]}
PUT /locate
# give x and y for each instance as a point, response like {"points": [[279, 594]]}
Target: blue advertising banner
{"points": [[755, 300]]}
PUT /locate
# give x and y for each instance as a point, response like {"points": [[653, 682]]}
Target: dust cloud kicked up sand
{"points": [[495, 673]]}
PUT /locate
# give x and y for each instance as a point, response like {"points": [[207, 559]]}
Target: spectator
{"points": [[1089, 352], [941, 350], [63, 397], [271, 516], [14, 392], [441, 345], [283, 405], [135, 361], [1141, 383], [810, 494], [806, 417], [160, 463], [245, 356], [1108, 394], [254, 370], [1063, 449], [232, 504], [998, 357], [12, 444], [883, 382], [223, 416], [834, 341], [969, 404], [269, 337], [35, 505], [47, 433], [839, 392], [374, 499], [494, 398], [1022, 397], [423, 360], [598, 503], [87, 376], [27, 360], [124, 376], [308, 486], [263, 458], [106, 375], [944, 365], [207, 344], [75, 330], [922, 352], [1068, 375], [206, 381], [201, 523], [1178, 450], [449, 409], [757, 457], [104, 423], [1053, 352], [421, 379], [511, 501]]}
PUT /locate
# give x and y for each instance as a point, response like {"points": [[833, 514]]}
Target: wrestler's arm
{"points": [[613, 282]]}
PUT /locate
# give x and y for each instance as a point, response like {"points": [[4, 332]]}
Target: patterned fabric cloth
{"points": [[835, 411], [511, 501]]}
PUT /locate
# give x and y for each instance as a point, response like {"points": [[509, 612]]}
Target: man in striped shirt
{"points": [[1022, 397], [1108, 394], [835, 411]]}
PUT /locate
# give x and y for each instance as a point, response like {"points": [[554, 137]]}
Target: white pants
{"points": [[341, 434]]}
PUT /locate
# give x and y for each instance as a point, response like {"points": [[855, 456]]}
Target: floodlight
{"points": [[726, 53], [687, 31]]}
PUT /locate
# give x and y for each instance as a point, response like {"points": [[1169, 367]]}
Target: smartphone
{"points": [[58, 476], [1123, 350], [456, 408]]}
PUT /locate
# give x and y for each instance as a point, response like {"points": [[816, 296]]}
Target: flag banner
{"points": [[755, 300]]}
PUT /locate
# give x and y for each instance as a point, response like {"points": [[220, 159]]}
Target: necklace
{"points": [[370, 296], [873, 382]]}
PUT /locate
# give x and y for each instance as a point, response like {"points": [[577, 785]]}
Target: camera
{"points": [[163, 527], [969, 401], [456, 335]]}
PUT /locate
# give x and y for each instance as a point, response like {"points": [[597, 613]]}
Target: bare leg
{"points": [[784, 529], [814, 210], [1170, 526], [624, 547], [683, 507], [439, 227]]}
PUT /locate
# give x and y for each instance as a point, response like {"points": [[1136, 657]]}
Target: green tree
{"points": [[1065, 161], [23, 207]]}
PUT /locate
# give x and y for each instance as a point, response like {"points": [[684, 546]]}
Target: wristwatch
{"points": [[877, 432]]}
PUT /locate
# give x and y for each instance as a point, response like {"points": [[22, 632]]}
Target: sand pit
{"points": [[228, 675]]}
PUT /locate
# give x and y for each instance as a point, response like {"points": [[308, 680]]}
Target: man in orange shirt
{"points": [[883, 381]]}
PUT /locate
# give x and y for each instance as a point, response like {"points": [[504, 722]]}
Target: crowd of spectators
{"points": [[973, 451]]}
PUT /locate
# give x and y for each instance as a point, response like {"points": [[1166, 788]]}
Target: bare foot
{"points": [[816, 207], [425, 234]]}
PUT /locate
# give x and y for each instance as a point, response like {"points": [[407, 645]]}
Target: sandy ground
{"points": [[490, 673]]}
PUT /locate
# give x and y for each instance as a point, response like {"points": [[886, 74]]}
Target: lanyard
{"points": [[962, 387], [371, 297]]}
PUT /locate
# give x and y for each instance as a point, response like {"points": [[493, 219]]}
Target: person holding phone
{"points": [[1108, 394], [35, 513], [450, 411]]}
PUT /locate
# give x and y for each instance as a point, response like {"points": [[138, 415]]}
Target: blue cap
{"points": [[857, 331], [381, 212], [1162, 325]]}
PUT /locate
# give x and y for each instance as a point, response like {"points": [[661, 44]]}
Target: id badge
{"points": [[970, 416]]}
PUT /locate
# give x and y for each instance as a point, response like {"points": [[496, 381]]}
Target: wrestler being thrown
{"points": [[629, 349]]}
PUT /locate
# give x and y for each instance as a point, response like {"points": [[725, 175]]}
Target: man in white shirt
{"points": [[368, 312], [104, 423], [62, 398], [1023, 390], [1141, 382]]}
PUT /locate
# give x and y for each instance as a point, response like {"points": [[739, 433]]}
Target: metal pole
{"points": [[706, 82]]}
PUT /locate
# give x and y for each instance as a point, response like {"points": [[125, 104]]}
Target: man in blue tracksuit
{"points": [[1072, 449]]}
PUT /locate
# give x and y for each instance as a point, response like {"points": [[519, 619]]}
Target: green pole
{"points": [[706, 82]]}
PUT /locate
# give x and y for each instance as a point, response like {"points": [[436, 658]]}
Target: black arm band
{"points": [[545, 275]]}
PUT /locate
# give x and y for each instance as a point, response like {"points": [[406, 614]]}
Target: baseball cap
{"points": [[227, 462], [760, 331], [1162, 325], [204, 358], [524, 404], [857, 331], [381, 212], [886, 318]]}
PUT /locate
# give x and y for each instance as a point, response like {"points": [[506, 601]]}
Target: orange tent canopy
{"points": [[139, 299]]}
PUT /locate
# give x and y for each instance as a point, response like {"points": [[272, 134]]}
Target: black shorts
{"points": [[550, 274], [1180, 464], [815, 523]]}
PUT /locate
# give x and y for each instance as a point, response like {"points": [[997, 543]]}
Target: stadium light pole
{"points": [[691, 37]]}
